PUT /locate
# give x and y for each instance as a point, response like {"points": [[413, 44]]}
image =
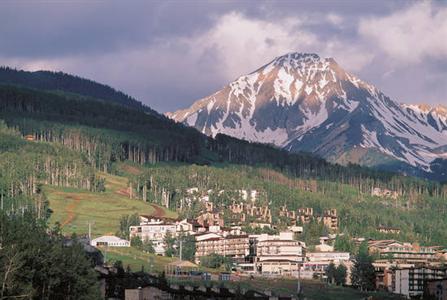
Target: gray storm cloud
{"points": [[168, 54]]}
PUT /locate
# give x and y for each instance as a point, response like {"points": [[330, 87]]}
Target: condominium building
{"points": [[407, 252], [234, 246], [305, 214], [317, 262], [437, 289], [411, 282], [152, 231], [330, 219], [277, 254]]}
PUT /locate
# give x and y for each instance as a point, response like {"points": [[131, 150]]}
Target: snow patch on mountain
{"points": [[304, 102]]}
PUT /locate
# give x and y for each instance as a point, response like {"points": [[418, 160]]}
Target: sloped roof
{"points": [[183, 264], [109, 238]]}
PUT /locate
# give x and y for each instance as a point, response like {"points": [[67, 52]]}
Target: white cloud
{"points": [[242, 43], [409, 35], [351, 56], [334, 19], [173, 71]]}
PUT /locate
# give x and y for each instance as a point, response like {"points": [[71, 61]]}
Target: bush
{"points": [[216, 261]]}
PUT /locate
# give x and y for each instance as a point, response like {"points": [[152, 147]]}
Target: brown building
{"points": [[412, 282], [209, 206], [237, 208], [389, 230], [305, 214], [330, 219], [285, 212], [210, 219], [235, 246], [261, 213], [403, 252], [437, 289], [147, 293]]}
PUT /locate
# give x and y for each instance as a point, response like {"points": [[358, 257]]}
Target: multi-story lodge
{"points": [[211, 219], [330, 219], [317, 262], [277, 254], [388, 230], [154, 230], [234, 246], [243, 211], [405, 252], [304, 215], [411, 282]]}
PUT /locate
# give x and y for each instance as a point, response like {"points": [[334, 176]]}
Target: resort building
{"points": [[109, 241], [278, 255], [234, 246], [411, 282]]}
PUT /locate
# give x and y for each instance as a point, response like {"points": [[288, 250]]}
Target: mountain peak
{"points": [[302, 102], [439, 110], [298, 57]]}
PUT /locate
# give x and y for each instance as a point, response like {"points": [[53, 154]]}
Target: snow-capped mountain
{"points": [[302, 102]]}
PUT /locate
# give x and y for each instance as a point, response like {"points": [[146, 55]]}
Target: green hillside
{"points": [[75, 208], [72, 157], [419, 216], [72, 137]]}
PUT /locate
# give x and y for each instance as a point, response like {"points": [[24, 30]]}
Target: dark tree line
{"points": [[108, 133], [35, 263], [59, 81]]}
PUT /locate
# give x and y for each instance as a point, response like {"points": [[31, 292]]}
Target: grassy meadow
{"points": [[74, 208]]}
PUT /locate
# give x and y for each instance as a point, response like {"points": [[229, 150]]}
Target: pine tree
{"points": [[363, 274]]}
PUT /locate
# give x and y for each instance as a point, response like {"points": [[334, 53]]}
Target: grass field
{"points": [[74, 208], [135, 259]]}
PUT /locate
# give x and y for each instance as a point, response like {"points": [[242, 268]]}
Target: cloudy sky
{"points": [[170, 53]]}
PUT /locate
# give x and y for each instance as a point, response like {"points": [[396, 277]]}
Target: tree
{"points": [[216, 261], [136, 242], [148, 246], [363, 274], [170, 245], [330, 272], [37, 263], [343, 244], [340, 275], [188, 247], [125, 222]]}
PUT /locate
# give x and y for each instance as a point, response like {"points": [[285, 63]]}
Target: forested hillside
{"points": [[64, 139], [110, 133], [59, 81], [417, 213]]}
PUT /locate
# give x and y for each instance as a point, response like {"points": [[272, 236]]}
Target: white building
{"points": [[317, 262], [153, 231], [184, 226], [109, 241], [335, 257], [278, 255], [324, 248], [295, 229]]}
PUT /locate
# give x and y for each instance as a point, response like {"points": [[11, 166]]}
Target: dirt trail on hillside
{"points": [[70, 209], [123, 192], [158, 211]]}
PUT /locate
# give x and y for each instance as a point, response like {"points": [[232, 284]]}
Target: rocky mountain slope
{"points": [[302, 102]]}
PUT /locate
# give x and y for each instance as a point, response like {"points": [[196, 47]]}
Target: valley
{"points": [[166, 190]]}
